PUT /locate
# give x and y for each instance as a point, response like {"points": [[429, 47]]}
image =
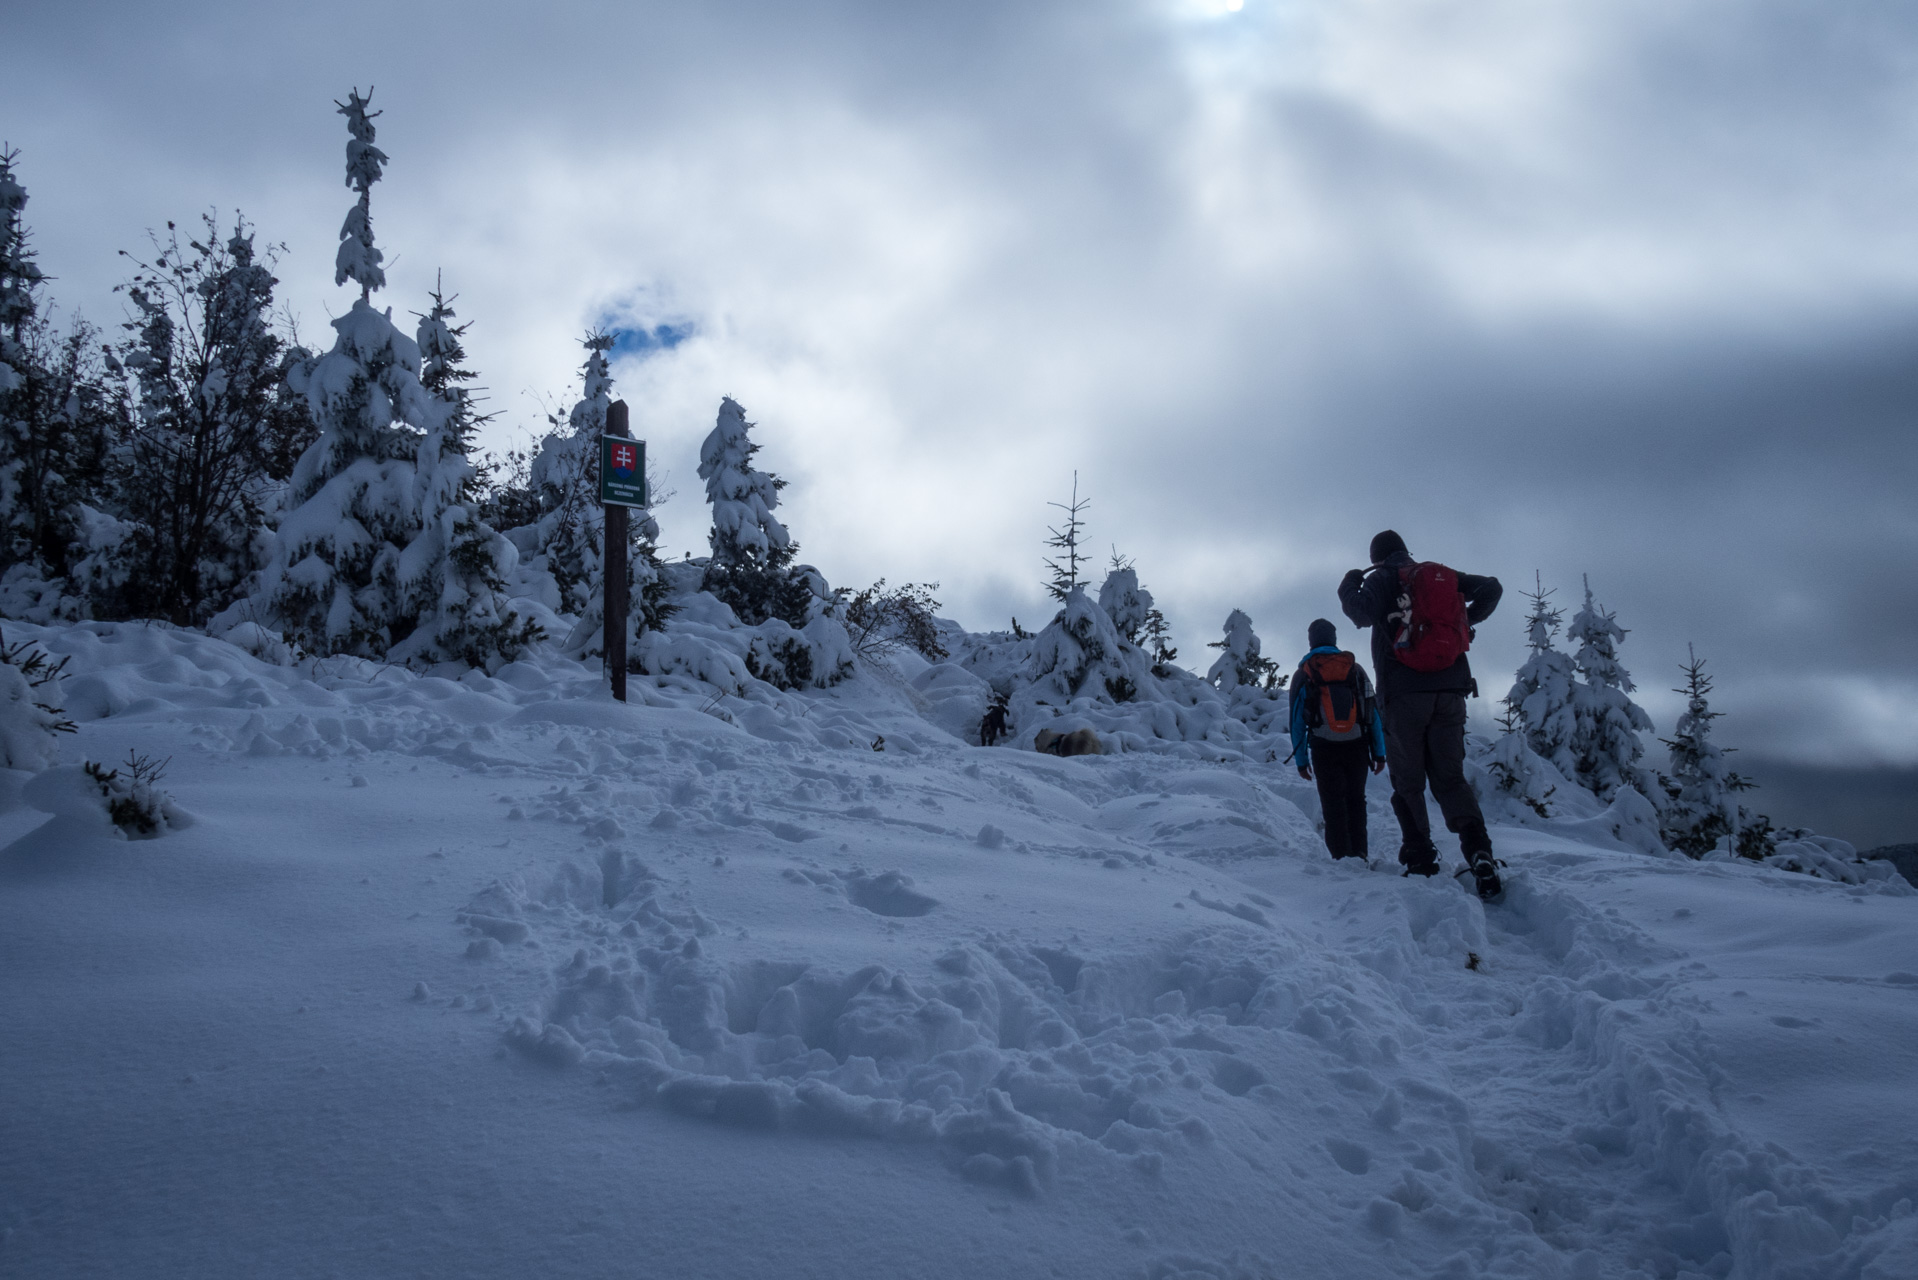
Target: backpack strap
{"points": [[1310, 690]]}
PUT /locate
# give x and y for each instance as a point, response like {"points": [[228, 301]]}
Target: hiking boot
{"points": [[1485, 874], [1419, 860]]}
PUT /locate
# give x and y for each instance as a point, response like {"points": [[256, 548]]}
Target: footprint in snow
{"points": [[889, 893], [1243, 910], [1238, 1077], [1349, 1156]]}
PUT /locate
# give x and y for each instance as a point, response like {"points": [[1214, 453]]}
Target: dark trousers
{"points": [[1425, 743], [1339, 769]]}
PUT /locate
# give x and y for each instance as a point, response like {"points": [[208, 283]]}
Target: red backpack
{"points": [[1432, 630]]}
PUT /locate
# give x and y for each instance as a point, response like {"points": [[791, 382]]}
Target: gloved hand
{"points": [[1305, 771], [1378, 766], [1353, 577]]}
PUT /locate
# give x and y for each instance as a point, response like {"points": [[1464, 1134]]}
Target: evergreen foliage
{"points": [[1156, 638], [1541, 700], [132, 797], [20, 275], [1240, 664], [57, 428], [335, 585], [572, 524], [57, 421], [1128, 604], [751, 567], [31, 717], [588, 416], [1518, 771], [1700, 806], [444, 374], [1605, 744], [1080, 653], [358, 258], [454, 572], [1065, 540]]}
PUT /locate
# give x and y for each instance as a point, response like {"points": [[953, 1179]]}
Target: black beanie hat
{"points": [[1322, 634], [1385, 544]]}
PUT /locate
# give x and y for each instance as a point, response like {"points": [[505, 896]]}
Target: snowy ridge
{"points": [[1128, 992]]}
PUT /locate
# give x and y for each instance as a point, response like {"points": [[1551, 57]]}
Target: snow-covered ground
{"points": [[497, 977]]}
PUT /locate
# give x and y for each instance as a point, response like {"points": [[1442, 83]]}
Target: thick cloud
{"points": [[1626, 290]]}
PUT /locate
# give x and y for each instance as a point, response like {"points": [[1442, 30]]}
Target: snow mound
{"points": [[1130, 988]]}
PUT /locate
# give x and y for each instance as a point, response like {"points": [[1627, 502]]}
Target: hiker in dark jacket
{"points": [[1335, 735], [1424, 713]]}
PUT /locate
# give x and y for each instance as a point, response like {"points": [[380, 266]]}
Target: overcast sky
{"points": [[1626, 289]]}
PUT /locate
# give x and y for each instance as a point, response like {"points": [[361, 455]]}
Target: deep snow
{"points": [[498, 977]]}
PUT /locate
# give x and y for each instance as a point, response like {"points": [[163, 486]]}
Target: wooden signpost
{"points": [[622, 484]]}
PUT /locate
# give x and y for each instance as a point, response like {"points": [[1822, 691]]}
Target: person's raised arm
{"points": [[1353, 599], [1481, 596]]}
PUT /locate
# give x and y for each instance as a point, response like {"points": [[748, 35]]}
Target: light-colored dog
{"points": [[1080, 742]]}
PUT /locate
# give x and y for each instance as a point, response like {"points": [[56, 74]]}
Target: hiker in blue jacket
{"points": [[1336, 735]]}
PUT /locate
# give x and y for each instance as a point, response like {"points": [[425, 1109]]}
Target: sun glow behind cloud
{"points": [[1205, 10]]}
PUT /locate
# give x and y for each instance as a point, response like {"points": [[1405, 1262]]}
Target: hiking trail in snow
{"points": [[495, 975]]}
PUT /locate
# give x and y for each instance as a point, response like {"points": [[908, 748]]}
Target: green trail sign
{"points": [[622, 471]]}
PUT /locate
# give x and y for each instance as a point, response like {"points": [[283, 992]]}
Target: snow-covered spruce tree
{"points": [[1700, 807], [1542, 696], [571, 521], [334, 582], [1240, 664], [1066, 540], [57, 420], [206, 373], [1081, 654], [31, 717], [57, 430], [1156, 638], [290, 430], [453, 574], [1605, 744], [1516, 770], [1128, 604], [20, 275], [751, 567]]}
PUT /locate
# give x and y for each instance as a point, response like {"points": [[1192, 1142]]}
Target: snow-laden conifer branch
{"points": [[359, 259]]}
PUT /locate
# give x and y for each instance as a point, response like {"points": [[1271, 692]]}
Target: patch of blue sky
{"points": [[631, 340]]}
